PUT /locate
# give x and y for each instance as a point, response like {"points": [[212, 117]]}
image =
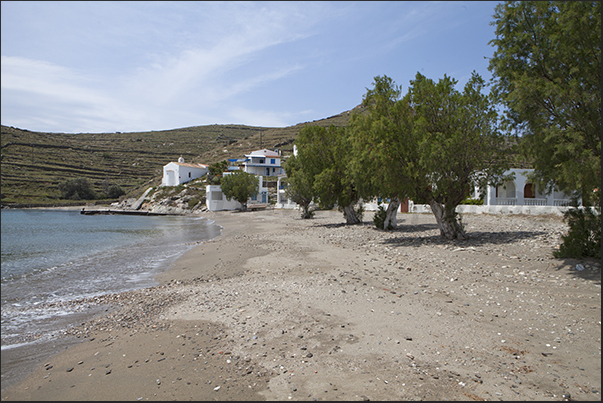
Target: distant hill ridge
{"points": [[33, 164]]}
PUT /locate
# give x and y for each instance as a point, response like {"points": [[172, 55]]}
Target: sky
{"points": [[97, 67]]}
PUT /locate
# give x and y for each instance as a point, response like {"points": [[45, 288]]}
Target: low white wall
{"points": [[467, 208], [290, 206]]}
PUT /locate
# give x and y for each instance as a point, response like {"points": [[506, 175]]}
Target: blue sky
{"points": [[107, 66]]}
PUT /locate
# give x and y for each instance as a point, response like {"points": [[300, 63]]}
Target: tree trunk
{"points": [[450, 227], [306, 211], [350, 214], [390, 214]]}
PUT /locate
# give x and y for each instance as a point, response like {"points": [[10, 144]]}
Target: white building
{"points": [[522, 192], [216, 201], [517, 196], [260, 163], [282, 201], [177, 173], [263, 163]]}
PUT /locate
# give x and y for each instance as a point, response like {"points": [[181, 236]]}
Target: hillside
{"points": [[33, 164]]}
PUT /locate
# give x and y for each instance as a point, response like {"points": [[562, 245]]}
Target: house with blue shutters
{"points": [[263, 163], [260, 163]]}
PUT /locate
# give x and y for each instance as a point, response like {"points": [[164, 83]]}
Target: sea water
{"points": [[52, 255]]}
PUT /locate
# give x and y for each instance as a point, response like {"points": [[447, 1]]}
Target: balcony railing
{"points": [[506, 201], [509, 201], [534, 202]]}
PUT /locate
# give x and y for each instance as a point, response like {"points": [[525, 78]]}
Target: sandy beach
{"points": [[280, 308]]}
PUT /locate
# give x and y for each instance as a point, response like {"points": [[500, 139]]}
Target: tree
{"points": [[77, 189], [457, 145], [323, 156], [240, 186], [379, 149], [435, 144], [299, 186], [215, 171], [547, 71]]}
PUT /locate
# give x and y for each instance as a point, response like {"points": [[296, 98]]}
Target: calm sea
{"points": [[53, 255]]}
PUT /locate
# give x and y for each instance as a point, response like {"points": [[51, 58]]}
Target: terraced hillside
{"points": [[33, 164]]}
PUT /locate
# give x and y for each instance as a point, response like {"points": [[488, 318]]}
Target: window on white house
{"points": [[272, 161], [216, 195]]}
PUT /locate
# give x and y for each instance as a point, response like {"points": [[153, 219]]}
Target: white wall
{"points": [[484, 209], [512, 193], [215, 200], [175, 174]]}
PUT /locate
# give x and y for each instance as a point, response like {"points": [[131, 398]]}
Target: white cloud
{"points": [[207, 68], [54, 95], [191, 55], [38, 78], [137, 66]]}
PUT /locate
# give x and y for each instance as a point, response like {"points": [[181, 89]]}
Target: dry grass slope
{"points": [[35, 163]]}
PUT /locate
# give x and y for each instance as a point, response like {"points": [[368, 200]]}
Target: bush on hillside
{"points": [[114, 191], [77, 189]]}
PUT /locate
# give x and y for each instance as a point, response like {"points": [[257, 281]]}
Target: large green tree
{"points": [[435, 144], [547, 71], [323, 155], [240, 186], [458, 145], [380, 153]]}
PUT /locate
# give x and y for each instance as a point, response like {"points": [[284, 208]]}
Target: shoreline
{"points": [[279, 308], [19, 360]]}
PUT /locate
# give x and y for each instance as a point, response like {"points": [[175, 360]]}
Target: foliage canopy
{"points": [[323, 154], [299, 186], [240, 186], [547, 71], [434, 144]]}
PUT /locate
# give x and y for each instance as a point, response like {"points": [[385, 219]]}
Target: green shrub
{"points": [[77, 189], [379, 218], [114, 191], [193, 202], [360, 212], [476, 202], [584, 236]]}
